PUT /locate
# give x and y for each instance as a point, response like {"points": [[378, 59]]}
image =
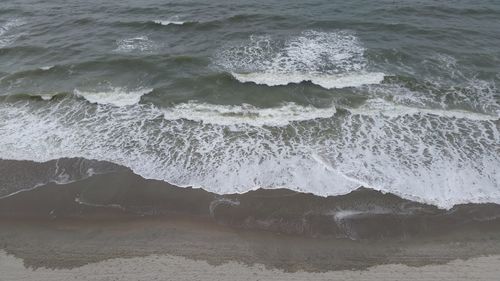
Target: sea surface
{"points": [[317, 96]]}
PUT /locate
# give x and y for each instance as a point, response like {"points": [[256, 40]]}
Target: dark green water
{"points": [[316, 96]]}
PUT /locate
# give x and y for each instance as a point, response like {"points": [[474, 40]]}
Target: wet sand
{"points": [[361, 214]]}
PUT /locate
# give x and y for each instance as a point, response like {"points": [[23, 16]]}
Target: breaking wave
{"points": [[246, 114], [415, 154], [169, 22], [325, 81], [115, 96], [328, 59]]}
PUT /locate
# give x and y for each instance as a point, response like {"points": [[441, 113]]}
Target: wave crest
{"points": [[246, 114], [115, 96], [169, 22], [325, 81]]}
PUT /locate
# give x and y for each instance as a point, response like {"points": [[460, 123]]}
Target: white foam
{"points": [[6, 38], [46, 96], [455, 88], [246, 114], [380, 106], [115, 96], [135, 44], [47, 67], [328, 59], [9, 25], [324, 80], [428, 158]]}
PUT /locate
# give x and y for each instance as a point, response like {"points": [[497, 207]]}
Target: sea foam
{"points": [[328, 59], [135, 44], [328, 81], [246, 114], [423, 157], [7, 37], [379, 106], [169, 22]]}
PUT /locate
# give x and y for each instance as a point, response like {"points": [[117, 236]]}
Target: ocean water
{"points": [[316, 96]]}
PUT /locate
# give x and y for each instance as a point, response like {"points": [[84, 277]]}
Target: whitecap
{"points": [[46, 97], [246, 114], [169, 22], [47, 67], [135, 44], [115, 96], [324, 80]]}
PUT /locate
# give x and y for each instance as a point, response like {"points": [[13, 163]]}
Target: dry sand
{"points": [[167, 267], [172, 249]]}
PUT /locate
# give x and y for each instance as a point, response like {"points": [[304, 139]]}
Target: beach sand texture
{"points": [[178, 268]]}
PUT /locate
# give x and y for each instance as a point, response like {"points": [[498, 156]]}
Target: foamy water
{"points": [[324, 80], [246, 114], [401, 154], [328, 59], [168, 22], [320, 98], [7, 31], [135, 44], [115, 96]]}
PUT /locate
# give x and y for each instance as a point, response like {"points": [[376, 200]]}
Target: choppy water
{"points": [[316, 96]]}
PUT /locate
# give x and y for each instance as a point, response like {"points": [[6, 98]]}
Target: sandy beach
{"points": [[177, 268], [187, 249]]}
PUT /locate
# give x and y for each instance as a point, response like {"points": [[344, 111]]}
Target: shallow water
{"points": [[316, 96]]}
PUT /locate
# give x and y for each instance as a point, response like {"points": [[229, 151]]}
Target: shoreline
{"points": [[360, 214], [67, 171]]}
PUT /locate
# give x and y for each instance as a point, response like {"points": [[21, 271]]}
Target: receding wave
{"points": [[27, 175], [289, 212], [328, 59]]}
